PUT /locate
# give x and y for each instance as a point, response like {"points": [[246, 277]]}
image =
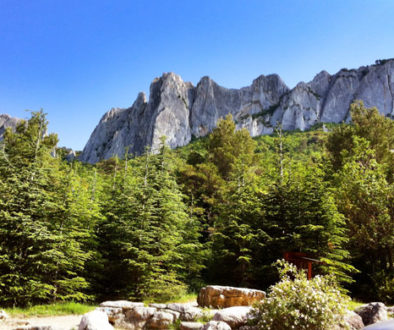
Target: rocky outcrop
{"points": [[7, 121], [225, 296], [372, 312], [180, 111]]}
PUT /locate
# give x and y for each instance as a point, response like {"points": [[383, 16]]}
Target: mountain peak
{"points": [[179, 110]]}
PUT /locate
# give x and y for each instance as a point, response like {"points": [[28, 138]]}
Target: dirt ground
{"points": [[66, 322]]}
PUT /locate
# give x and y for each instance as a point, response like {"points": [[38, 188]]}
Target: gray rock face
{"points": [[372, 312], [7, 121], [179, 111], [354, 321]]}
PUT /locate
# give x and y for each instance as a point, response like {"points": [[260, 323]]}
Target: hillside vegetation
{"points": [[220, 210]]}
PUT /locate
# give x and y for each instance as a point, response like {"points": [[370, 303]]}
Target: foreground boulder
{"points": [[216, 325], [225, 296], [354, 321], [95, 320], [235, 317], [372, 312]]}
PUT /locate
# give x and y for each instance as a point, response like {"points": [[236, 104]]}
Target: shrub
{"points": [[298, 303]]}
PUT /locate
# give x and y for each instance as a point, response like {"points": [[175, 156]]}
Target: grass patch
{"points": [[66, 308], [353, 304], [188, 297]]}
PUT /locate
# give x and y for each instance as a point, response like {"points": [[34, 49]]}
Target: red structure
{"points": [[301, 261]]}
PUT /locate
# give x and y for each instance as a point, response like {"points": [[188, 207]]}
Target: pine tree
{"points": [[41, 254], [149, 230]]}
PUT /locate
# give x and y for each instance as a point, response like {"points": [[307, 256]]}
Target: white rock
{"points": [[216, 325], [176, 314], [190, 326], [121, 304], [115, 315], [160, 320], [95, 320], [234, 316], [140, 313], [158, 306]]}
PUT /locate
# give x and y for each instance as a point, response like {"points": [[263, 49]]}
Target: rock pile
{"points": [[135, 315], [234, 313]]}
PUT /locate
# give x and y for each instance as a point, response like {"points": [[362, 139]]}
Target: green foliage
{"points": [[297, 303], [43, 225], [227, 146], [219, 210], [370, 125], [149, 241]]}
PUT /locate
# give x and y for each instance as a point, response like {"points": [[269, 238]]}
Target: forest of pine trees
{"points": [[221, 210]]}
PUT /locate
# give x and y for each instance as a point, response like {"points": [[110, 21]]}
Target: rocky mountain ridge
{"points": [[7, 121], [179, 110]]}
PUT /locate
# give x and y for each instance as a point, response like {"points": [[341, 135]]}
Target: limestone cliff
{"points": [[7, 121], [179, 110]]}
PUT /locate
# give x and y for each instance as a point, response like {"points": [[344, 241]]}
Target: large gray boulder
{"points": [[354, 321], [217, 296], [95, 320], [180, 111], [372, 312]]}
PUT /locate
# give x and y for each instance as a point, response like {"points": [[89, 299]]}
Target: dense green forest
{"points": [[220, 210]]}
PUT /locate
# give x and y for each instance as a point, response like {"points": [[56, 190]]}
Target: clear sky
{"points": [[78, 58]]}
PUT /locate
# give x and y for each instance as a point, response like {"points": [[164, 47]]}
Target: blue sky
{"points": [[77, 59]]}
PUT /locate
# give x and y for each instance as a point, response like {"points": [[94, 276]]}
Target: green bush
{"points": [[298, 303], [384, 285]]}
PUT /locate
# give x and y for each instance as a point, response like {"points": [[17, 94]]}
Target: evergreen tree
{"points": [[150, 241], [366, 199], [41, 250]]}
